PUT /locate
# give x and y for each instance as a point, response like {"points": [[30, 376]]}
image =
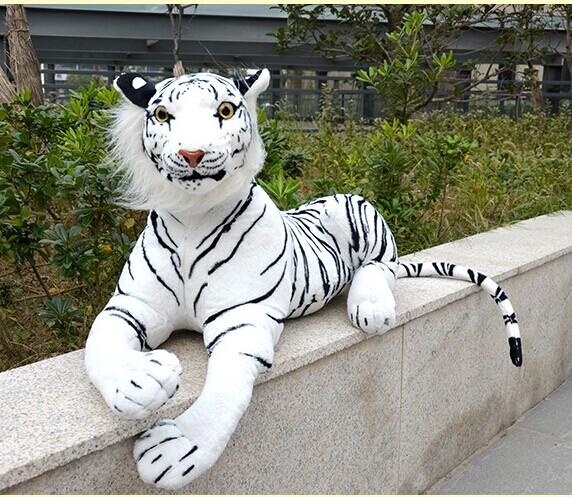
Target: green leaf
{"points": [[26, 212]]}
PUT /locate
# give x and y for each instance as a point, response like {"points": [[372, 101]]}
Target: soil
{"points": [[24, 336]]}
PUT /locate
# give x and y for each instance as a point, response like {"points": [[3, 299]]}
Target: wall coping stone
{"points": [[53, 415]]}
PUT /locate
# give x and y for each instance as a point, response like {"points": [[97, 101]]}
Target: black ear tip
{"points": [[125, 81], [243, 83], [136, 88]]}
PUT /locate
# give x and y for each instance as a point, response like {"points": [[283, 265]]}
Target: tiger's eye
{"points": [[226, 110], [161, 114]]}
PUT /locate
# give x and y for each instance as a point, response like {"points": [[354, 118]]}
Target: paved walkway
{"points": [[533, 456]]}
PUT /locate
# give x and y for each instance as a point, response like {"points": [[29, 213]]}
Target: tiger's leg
{"points": [[133, 379], [371, 305], [240, 344]]}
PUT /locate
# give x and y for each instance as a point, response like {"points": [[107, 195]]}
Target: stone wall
{"points": [[339, 412]]}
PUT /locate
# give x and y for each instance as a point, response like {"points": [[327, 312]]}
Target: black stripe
{"points": [[140, 325], [154, 216], [240, 206], [407, 269], [224, 227], [216, 339], [278, 320], [389, 269], [162, 474], [316, 248], [266, 364], [176, 219], [499, 295], [386, 239], [168, 439], [130, 320], [275, 261], [217, 265], [189, 453], [196, 301], [301, 260], [510, 318], [450, 269], [131, 400], [129, 268], [308, 305], [353, 228], [437, 269], [154, 271], [256, 300], [152, 377]]}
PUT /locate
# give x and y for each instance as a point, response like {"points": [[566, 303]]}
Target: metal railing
{"points": [[303, 94]]}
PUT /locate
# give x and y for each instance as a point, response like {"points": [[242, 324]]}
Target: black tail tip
{"points": [[515, 351]]}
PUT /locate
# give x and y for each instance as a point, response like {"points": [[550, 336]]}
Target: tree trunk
{"points": [[536, 98], [6, 88], [178, 69], [567, 55], [23, 60]]}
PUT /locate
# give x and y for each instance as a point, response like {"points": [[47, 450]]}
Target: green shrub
{"points": [[63, 241], [59, 224], [406, 80], [62, 318], [283, 164], [443, 175]]}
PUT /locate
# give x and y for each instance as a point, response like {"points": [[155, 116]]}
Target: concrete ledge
{"points": [[338, 413]]}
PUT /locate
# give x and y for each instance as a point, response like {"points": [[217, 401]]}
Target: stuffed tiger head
{"points": [[188, 142]]}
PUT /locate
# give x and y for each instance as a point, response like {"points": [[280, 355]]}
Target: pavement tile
{"points": [[534, 456]]}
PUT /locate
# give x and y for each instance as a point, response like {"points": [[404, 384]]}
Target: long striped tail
{"points": [[454, 271]]}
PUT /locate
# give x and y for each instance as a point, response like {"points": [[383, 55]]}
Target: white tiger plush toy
{"points": [[218, 257]]}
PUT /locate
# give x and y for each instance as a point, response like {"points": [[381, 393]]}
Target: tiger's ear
{"points": [[253, 84], [135, 88]]}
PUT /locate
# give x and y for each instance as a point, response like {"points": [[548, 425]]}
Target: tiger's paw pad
{"points": [[150, 381], [167, 458], [374, 318]]}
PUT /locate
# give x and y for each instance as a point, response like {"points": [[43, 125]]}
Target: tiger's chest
{"points": [[224, 258]]}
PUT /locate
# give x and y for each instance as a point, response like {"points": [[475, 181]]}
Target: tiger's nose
{"points": [[193, 158]]}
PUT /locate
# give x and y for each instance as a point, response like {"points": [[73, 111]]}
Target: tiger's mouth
{"points": [[197, 165], [196, 176]]}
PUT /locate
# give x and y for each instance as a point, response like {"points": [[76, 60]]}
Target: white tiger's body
{"points": [[217, 256]]}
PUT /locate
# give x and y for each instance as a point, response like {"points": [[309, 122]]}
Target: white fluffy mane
{"points": [[144, 188]]}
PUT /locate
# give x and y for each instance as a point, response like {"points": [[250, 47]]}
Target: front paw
{"points": [[374, 318], [167, 458], [150, 380]]}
